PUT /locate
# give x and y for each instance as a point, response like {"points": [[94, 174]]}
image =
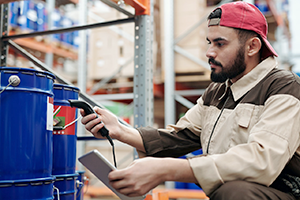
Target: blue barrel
{"points": [[80, 183], [26, 124], [14, 14], [41, 12], [64, 130], [66, 184], [27, 189]]}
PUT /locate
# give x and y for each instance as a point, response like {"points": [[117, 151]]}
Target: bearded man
{"points": [[246, 122]]}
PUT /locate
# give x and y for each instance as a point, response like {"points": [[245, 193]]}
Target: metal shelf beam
{"points": [[70, 29]]}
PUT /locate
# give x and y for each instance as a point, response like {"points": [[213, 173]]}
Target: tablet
{"points": [[100, 167]]}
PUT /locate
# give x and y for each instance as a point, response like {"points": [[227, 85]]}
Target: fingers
{"points": [[127, 188], [116, 180], [100, 111], [94, 129], [87, 118], [121, 184], [92, 122], [82, 112], [96, 109], [116, 175]]}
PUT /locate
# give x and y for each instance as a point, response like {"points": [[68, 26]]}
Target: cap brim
{"points": [[268, 50]]}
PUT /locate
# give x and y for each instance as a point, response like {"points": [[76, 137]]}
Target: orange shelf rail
{"points": [[46, 48], [157, 194], [142, 7]]}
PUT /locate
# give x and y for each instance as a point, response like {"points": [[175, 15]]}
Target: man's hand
{"points": [[139, 178], [116, 130], [93, 123], [146, 173]]}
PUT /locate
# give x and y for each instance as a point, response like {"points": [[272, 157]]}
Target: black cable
{"points": [[113, 149], [114, 155]]}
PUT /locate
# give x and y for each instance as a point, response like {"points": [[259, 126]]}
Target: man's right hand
{"points": [[116, 130], [93, 124]]}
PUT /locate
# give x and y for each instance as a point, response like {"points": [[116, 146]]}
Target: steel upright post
{"points": [[169, 62], [143, 70], [4, 32], [82, 69]]}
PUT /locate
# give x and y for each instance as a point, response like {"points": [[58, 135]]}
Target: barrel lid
{"points": [[19, 69], [59, 86]]}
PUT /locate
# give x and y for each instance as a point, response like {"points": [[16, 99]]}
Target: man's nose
{"points": [[210, 53]]}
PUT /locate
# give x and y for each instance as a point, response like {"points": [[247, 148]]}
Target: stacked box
{"points": [[108, 49], [187, 15]]}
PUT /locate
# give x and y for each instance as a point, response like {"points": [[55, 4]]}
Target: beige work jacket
{"points": [[248, 130]]}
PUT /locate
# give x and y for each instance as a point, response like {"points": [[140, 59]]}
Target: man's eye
{"points": [[220, 44]]}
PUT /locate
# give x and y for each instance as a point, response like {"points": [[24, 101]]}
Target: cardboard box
{"points": [[186, 16], [109, 50]]}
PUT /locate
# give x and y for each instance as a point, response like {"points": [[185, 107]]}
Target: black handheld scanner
{"points": [[89, 110]]}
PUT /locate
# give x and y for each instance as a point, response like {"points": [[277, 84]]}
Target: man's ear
{"points": [[253, 46]]}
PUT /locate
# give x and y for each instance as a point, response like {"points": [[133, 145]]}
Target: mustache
{"points": [[213, 61]]}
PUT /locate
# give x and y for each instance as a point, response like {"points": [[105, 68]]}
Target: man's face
{"points": [[225, 54]]}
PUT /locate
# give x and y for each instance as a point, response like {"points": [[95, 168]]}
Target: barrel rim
{"points": [[34, 180], [65, 86], [66, 175], [27, 69]]}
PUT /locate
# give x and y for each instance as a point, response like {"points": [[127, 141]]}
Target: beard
{"points": [[232, 70]]}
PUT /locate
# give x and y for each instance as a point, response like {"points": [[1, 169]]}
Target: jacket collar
{"points": [[248, 81]]}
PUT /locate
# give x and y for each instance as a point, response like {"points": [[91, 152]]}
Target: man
{"points": [[246, 122]]}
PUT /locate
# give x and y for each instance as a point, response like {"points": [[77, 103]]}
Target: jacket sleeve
{"points": [[271, 144], [176, 140]]}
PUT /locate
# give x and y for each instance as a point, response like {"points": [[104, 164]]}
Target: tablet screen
{"points": [[100, 167]]}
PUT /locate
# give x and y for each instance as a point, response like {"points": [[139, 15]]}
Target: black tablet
{"points": [[100, 167]]}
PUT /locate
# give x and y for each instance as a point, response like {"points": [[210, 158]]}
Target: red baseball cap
{"points": [[244, 15]]}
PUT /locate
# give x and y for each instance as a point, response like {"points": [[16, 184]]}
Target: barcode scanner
{"points": [[103, 131], [89, 110]]}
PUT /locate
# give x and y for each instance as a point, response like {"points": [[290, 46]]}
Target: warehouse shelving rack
{"points": [[143, 66], [171, 95]]}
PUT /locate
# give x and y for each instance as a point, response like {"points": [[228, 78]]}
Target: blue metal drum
{"points": [[66, 185], [27, 189], [80, 183], [65, 129], [26, 124]]}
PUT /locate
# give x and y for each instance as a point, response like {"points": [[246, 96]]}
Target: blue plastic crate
{"points": [[42, 17], [181, 185]]}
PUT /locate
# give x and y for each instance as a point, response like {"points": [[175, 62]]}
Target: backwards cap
{"points": [[244, 15]]}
